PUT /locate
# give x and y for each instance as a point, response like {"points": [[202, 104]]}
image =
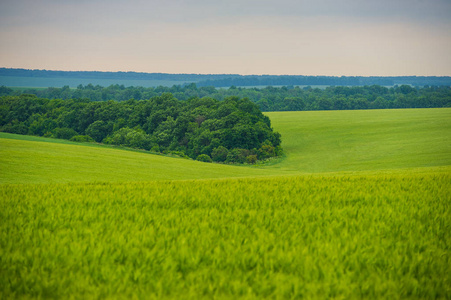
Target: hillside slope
{"points": [[314, 142], [364, 140], [25, 161], [370, 220]]}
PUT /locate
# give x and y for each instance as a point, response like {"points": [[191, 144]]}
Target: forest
{"points": [[287, 98], [203, 123], [230, 131], [227, 80], [287, 80]]}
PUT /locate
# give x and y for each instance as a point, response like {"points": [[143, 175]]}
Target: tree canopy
{"points": [[286, 98], [231, 131]]}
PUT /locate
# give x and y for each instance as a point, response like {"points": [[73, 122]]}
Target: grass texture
{"points": [[360, 208], [379, 237], [363, 140], [34, 161]]}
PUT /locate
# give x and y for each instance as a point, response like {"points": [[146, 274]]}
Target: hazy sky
{"points": [[304, 37]]}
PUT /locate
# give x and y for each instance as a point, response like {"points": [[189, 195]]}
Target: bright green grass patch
{"points": [[345, 237], [333, 141], [26, 161]]}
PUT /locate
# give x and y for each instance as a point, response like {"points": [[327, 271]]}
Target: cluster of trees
{"points": [[268, 99], [349, 98], [113, 92], [230, 131]]}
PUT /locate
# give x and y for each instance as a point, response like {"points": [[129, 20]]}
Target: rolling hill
{"points": [[364, 140], [314, 142], [357, 209]]}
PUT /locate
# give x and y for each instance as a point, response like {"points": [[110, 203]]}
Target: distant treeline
{"points": [[231, 131], [227, 80], [287, 80], [267, 99], [111, 75]]}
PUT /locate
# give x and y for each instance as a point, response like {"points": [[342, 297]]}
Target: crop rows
{"points": [[375, 236]]}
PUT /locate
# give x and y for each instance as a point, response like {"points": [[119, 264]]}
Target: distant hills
{"points": [[47, 78], [294, 80], [112, 75]]}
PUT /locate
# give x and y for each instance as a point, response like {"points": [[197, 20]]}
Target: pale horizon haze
{"points": [[303, 37]]}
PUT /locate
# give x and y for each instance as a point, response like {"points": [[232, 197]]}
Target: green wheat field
{"points": [[359, 207]]}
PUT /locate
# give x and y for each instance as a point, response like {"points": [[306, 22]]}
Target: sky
{"points": [[293, 37]]}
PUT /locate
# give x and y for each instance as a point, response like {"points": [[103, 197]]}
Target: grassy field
{"points": [[37, 160], [359, 208], [315, 237], [331, 141], [314, 142]]}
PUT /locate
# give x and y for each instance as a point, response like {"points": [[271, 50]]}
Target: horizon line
{"points": [[231, 74]]}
